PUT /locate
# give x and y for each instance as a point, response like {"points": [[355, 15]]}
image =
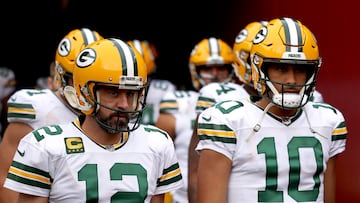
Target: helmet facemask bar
{"points": [[290, 100]]}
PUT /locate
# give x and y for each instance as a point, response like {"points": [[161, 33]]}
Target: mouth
{"points": [[290, 92]]}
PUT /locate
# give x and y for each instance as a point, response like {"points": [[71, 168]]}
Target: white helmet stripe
{"points": [[88, 36], [214, 47], [137, 45], [127, 57], [293, 35]]}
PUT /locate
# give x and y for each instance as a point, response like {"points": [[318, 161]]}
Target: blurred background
{"points": [[31, 30]]}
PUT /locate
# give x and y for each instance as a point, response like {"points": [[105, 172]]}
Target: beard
{"points": [[115, 123]]}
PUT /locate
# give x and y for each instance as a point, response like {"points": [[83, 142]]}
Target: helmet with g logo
{"points": [[242, 47], [208, 52], [109, 62], [67, 51], [285, 41]]}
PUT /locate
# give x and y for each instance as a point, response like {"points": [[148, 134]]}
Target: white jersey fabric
{"points": [[217, 91], [181, 104], [38, 108], [317, 97], [157, 89], [285, 160], [60, 162]]}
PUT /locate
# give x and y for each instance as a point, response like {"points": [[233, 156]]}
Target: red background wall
{"points": [[335, 26]]}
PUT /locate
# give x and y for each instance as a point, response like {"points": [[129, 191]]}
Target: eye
{"points": [[130, 93], [113, 93], [282, 67], [301, 69]]}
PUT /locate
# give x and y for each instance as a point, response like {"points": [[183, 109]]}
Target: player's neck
{"points": [[250, 89]]}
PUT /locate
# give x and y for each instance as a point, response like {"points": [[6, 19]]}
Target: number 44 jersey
{"points": [[273, 159], [60, 162]]}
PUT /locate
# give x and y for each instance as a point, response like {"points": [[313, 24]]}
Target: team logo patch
{"points": [[74, 145], [64, 47], [241, 36], [260, 36], [86, 58]]}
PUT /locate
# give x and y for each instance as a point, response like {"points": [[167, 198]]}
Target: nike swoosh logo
{"points": [[207, 118], [21, 153]]}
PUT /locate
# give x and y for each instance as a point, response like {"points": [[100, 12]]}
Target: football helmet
{"points": [[148, 51], [108, 62], [67, 50], [242, 47], [208, 52], [285, 41]]}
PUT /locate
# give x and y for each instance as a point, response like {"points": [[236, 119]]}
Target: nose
{"points": [[122, 101], [214, 70], [290, 76]]}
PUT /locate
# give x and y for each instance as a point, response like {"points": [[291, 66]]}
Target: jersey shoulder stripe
{"points": [[22, 104], [170, 175]]}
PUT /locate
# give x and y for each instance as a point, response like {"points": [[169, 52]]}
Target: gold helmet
{"points": [[148, 51], [285, 41], [242, 47], [208, 52], [67, 50], [108, 62]]}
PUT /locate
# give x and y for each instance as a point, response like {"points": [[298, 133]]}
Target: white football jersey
{"points": [[60, 162], [181, 104], [216, 92], [157, 89], [38, 108], [285, 160], [317, 97]]}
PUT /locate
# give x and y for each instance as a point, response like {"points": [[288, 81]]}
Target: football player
{"points": [[29, 109], [104, 157], [283, 147]]}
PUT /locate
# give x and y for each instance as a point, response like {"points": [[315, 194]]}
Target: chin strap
{"points": [[257, 127], [310, 128]]}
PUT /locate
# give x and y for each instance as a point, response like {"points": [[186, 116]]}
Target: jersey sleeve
{"points": [[29, 172], [169, 103], [215, 132], [27, 106], [339, 134], [170, 177], [206, 98], [178, 102]]}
